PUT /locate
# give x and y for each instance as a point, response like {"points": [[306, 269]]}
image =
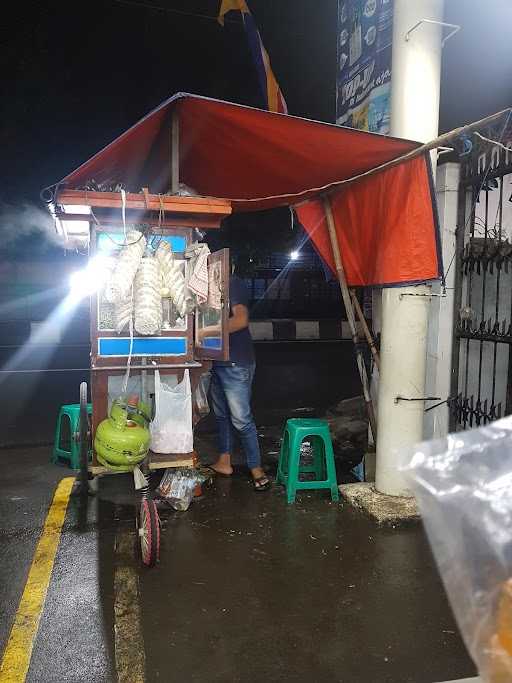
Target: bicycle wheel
{"points": [[149, 532]]}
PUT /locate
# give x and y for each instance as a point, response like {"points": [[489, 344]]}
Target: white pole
{"points": [[402, 376], [416, 71], [414, 115]]}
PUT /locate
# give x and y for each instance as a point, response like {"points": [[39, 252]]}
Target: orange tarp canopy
{"points": [[386, 223]]}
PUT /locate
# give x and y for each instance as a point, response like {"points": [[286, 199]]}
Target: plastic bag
{"points": [[201, 394], [177, 487], [123, 314], [119, 286], [463, 484], [172, 277], [171, 429], [147, 299]]}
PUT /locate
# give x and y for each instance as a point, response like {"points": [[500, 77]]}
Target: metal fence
{"points": [[482, 367]]}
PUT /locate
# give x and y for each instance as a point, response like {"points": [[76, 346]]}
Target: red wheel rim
{"points": [[145, 532], [149, 538], [157, 519]]}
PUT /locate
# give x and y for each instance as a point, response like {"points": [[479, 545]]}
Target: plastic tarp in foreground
{"points": [[385, 223]]}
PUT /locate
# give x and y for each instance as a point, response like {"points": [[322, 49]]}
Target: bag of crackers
{"points": [[463, 485]]}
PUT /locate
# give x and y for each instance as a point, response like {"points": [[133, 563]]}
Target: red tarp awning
{"points": [[385, 223]]}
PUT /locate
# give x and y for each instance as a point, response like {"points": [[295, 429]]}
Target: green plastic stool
{"points": [[61, 453], [290, 469]]}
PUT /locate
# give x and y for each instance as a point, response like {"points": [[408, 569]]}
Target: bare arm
{"points": [[240, 318], [238, 321]]}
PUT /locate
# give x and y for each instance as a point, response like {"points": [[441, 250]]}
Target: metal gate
{"points": [[482, 363]]}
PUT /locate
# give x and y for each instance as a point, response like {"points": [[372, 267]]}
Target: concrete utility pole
{"points": [[414, 115]]}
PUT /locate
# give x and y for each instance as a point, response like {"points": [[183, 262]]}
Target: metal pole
{"points": [[440, 141], [350, 314], [460, 236]]}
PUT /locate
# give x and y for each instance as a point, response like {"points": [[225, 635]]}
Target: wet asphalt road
{"points": [[248, 588], [27, 483]]}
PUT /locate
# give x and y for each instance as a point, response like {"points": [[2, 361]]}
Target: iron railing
{"points": [[481, 368]]}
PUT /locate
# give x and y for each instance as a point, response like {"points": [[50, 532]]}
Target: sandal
{"points": [[214, 473], [261, 484]]}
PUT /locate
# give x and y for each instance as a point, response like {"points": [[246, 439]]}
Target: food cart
{"points": [[177, 346], [353, 192]]}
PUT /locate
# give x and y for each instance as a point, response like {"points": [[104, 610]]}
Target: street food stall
{"points": [[147, 318], [160, 300]]}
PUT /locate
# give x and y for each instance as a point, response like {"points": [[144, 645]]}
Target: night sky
{"points": [[75, 75]]}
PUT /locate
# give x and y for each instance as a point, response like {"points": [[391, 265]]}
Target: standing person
{"points": [[231, 391]]}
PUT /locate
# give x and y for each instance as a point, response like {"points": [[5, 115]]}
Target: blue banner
{"points": [[363, 87]]}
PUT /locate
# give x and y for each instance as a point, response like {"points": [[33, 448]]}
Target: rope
{"points": [[129, 361], [494, 142]]}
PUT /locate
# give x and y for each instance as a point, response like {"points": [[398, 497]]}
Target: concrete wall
{"points": [[440, 331]]}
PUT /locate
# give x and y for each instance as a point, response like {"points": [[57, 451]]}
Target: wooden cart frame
{"points": [[167, 217]]}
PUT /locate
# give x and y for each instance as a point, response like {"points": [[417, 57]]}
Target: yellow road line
{"points": [[18, 652]]}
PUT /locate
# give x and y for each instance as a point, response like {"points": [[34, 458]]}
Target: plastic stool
{"points": [[72, 456], [289, 469]]}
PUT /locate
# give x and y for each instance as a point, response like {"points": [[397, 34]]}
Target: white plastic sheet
{"points": [[171, 429], [463, 484]]}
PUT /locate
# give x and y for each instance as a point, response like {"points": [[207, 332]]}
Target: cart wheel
{"points": [[149, 532], [84, 439]]}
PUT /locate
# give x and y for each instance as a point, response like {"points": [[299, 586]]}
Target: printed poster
{"points": [[363, 95]]}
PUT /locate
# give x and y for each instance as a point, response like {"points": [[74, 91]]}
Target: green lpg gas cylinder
{"points": [[120, 443]]}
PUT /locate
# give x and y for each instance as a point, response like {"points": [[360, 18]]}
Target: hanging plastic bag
{"points": [[147, 299], [120, 283], [201, 394], [171, 429], [463, 485]]}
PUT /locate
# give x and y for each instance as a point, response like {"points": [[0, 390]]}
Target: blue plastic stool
{"points": [[290, 469], [70, 455]]}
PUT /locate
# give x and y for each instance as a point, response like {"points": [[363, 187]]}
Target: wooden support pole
{"points": [[441, 141], [175, 153], [350, 315], [367, 333]]}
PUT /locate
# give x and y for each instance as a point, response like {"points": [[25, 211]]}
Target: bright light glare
{"points": [[85, 282], [76, 208], [74, 227], [294, 255]]}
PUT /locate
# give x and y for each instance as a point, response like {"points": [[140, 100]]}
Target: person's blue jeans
{"points": [[231, 400]]}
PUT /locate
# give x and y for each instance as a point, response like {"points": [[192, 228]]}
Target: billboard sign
{"points": [[365, 32]]}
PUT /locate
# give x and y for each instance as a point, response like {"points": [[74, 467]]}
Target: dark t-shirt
{"points": [[241, 350]]}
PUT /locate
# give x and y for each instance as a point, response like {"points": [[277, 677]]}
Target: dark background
{"points": [[75, 75]]}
